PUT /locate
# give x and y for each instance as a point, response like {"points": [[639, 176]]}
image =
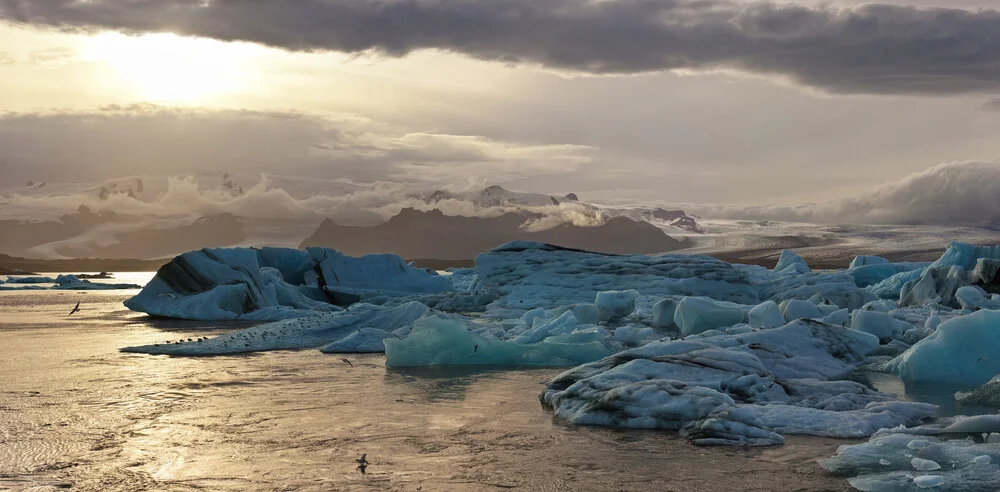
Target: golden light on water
{"points": [[171, 68]]}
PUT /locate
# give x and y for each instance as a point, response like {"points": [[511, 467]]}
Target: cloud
{"points": [[51, 56], [992, 105], [88, 146], [7, 58], [871, 48], [958, 193]]}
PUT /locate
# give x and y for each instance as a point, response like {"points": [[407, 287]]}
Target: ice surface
{"points": [[935, 285], [964, 351], [313, 331], [872, 274], [437, 340]]}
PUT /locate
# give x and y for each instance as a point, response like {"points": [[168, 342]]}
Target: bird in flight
{"points": [[475, 348], [352, 365], [75, 309]]}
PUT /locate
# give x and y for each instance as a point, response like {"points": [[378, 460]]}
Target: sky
{"points": [[735, 104]]}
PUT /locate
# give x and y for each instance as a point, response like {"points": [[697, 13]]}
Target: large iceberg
{"points": [[275, 283], [743, 388], [526, 275], [964, 351]]}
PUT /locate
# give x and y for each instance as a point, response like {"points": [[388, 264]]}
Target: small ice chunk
{"points": [[663, 313], [928, 481], [924, 465], [982, 459], [884, 462], [794, 309], [882, 325], [699, 314], [767, 315], [632, 335], [791, 263], [615, 304]]}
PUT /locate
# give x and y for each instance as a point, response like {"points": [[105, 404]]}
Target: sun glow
{"points": [[171, 68]]}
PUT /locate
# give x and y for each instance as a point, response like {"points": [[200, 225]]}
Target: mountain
{"points": [[18, 236], [416, 234], [160, 242]]}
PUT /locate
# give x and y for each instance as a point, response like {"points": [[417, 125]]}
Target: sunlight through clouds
{"points": [[164, 67]]}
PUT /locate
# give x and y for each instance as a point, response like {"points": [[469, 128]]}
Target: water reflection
{"points": [[451, 383], [942, 395]]}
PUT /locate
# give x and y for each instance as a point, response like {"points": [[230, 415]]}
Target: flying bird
{"points": [[75, 309], [352, 365], [475, 348], [363, 460]]}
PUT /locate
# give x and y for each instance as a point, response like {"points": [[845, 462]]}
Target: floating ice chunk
{"points": [[861, 422], [982, 459], [766, 314], [586, 313], [438, 341], [698, 314], [882, 325], [791, 263], [928, 481], [31, 280], [884, 462], [663, 313], [365, 340], [613, 304], [543, 329], [924, 465], [632, 335], [963, 350], [306, 332], [794, 309], [868, 260]]}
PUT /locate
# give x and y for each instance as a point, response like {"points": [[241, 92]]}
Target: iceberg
{"points": [[742, 389], [791, 263], [437, 340], [964, 351], [526, 275], [882, 325], [30, 280], [766, 315], [296, 333], [275, 283]]}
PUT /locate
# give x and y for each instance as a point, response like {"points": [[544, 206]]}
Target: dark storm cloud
{"points": [[874, 48]]}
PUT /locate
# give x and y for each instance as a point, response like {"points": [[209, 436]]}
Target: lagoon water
{"points": [[75, 412]]}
